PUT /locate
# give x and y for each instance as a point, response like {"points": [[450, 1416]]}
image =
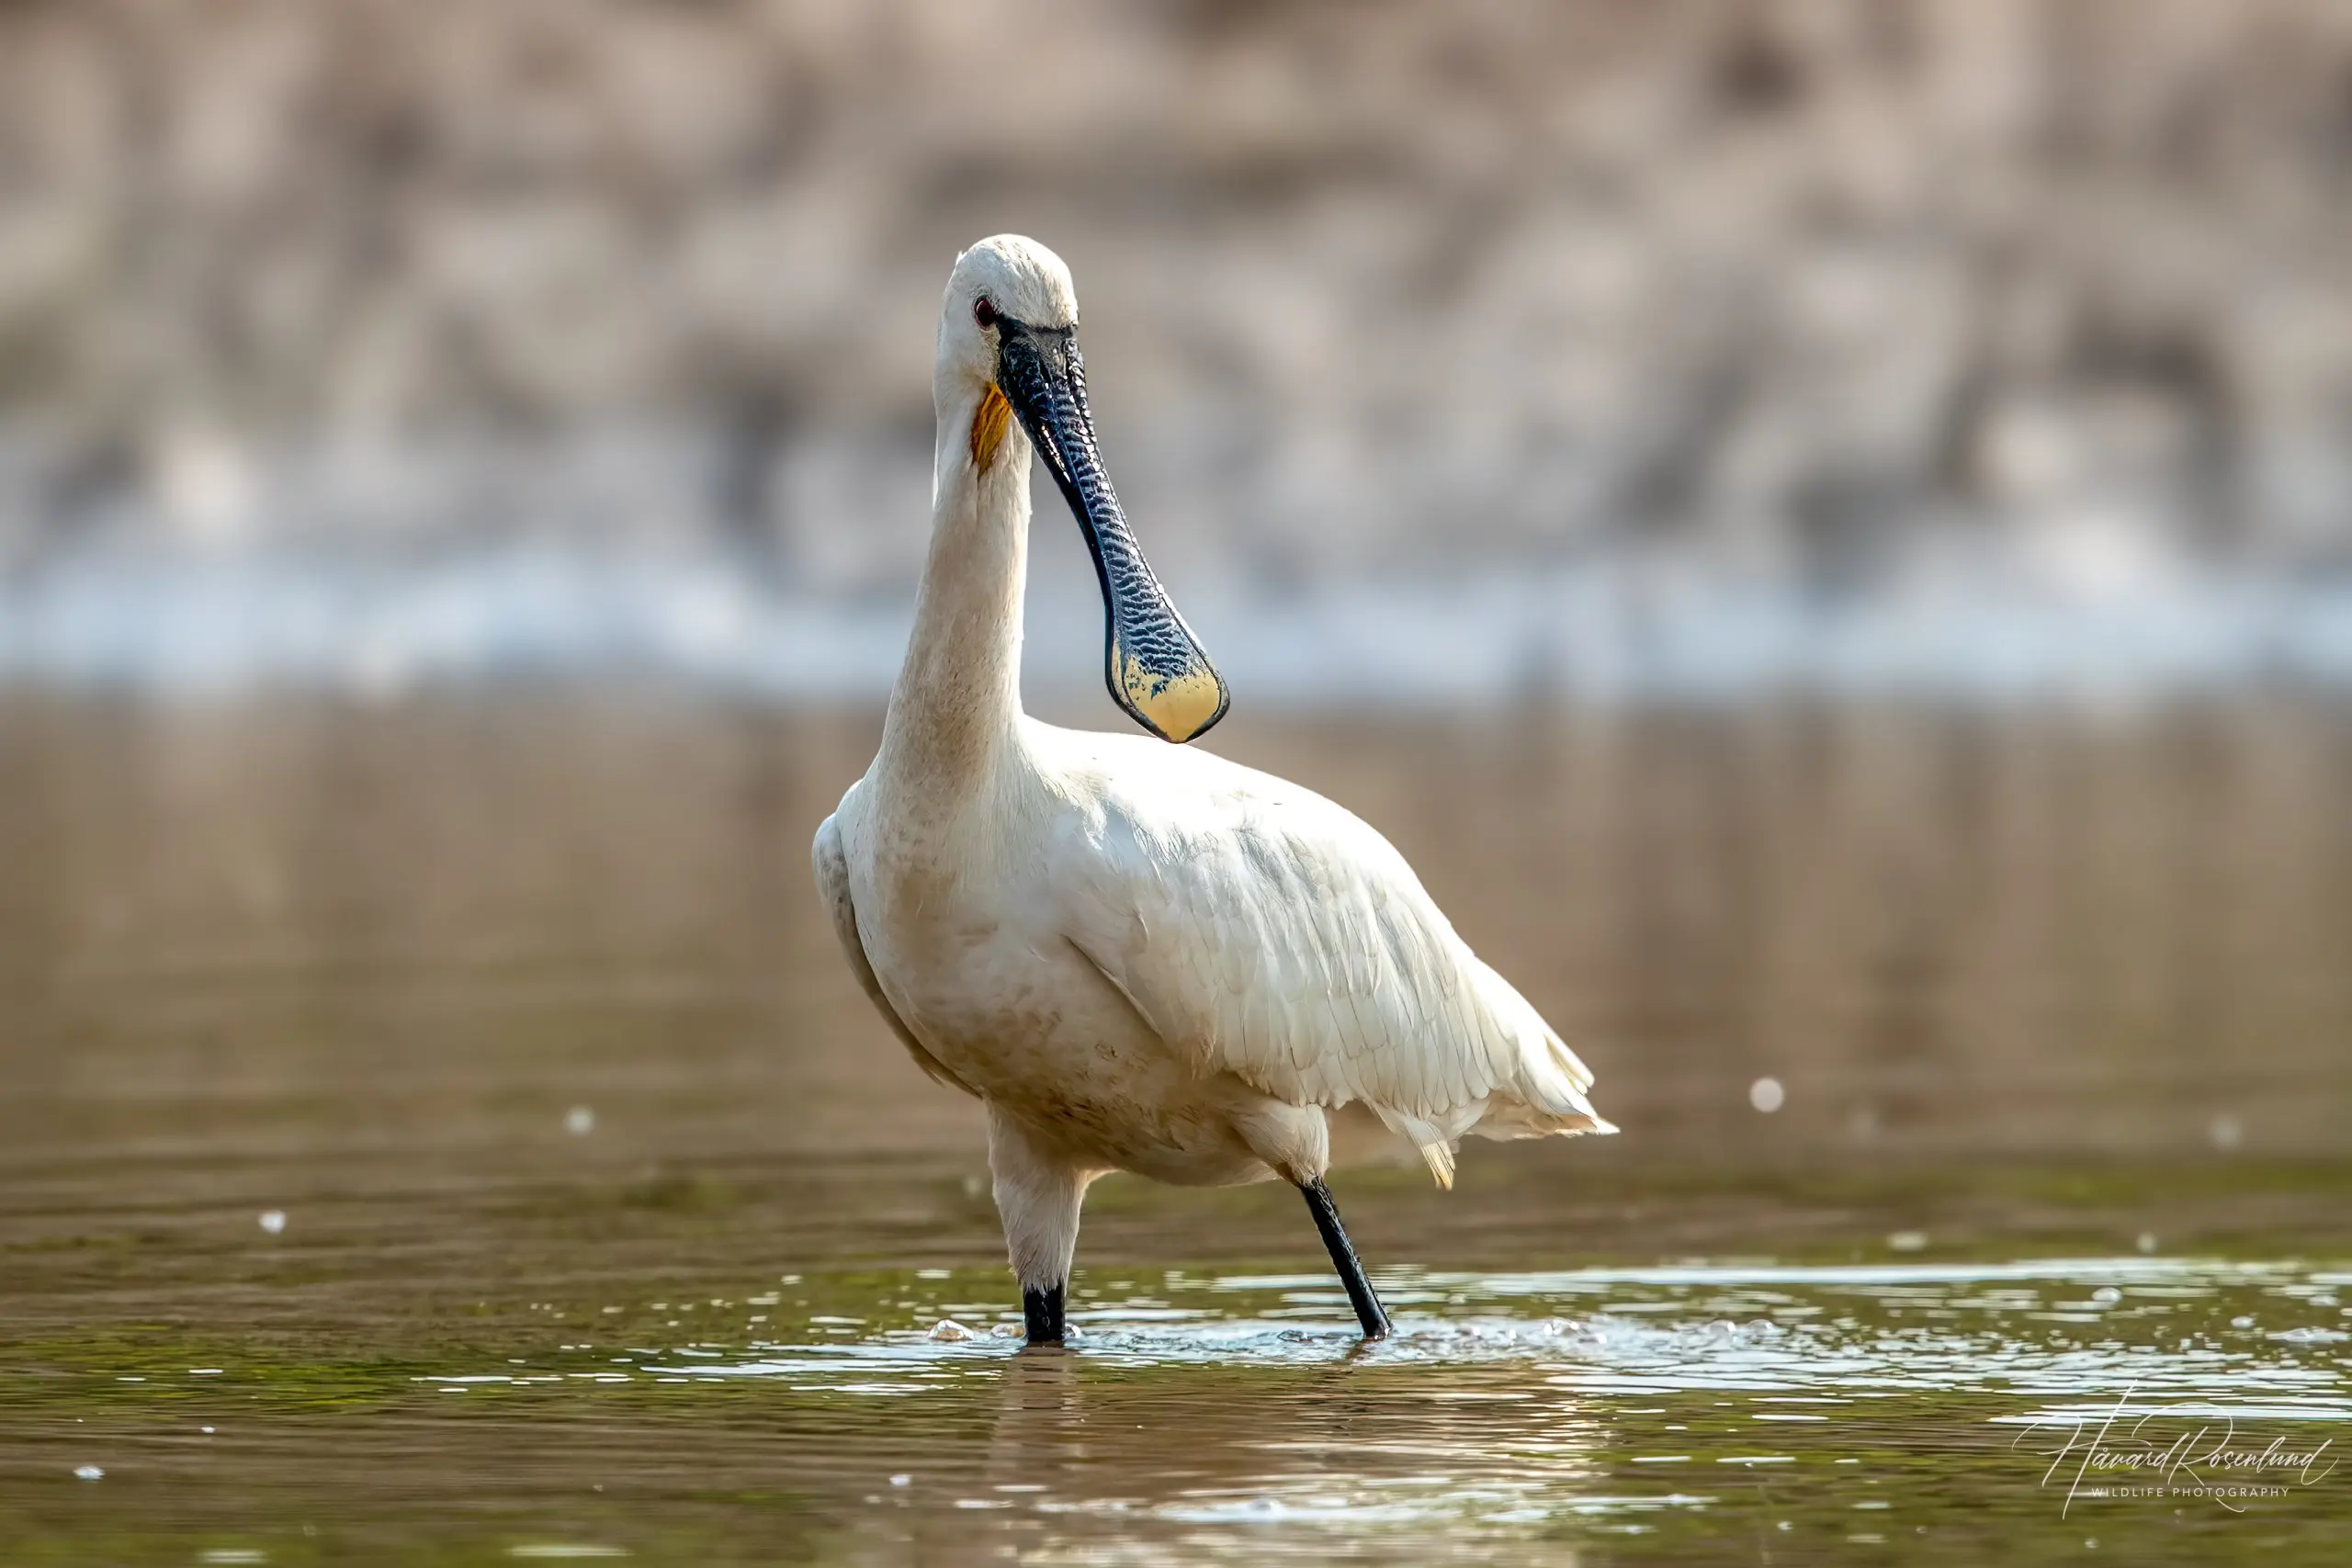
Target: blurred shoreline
{"points": [[1969, 625], [1980, 348]]}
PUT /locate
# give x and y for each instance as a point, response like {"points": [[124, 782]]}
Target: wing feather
{"points": [[1265, 932]]}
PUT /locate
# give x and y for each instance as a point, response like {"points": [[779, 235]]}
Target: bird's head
{"points": [[1008, 344]]}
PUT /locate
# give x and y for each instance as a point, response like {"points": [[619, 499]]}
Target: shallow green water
{"points": [[601, 1220], [1943, 1409]]}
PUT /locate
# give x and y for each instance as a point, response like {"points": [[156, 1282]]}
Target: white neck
{"points": [[958, 694]]}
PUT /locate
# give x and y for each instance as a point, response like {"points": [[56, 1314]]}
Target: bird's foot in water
{"points": [[1370, 1314], [1041, 1313]]}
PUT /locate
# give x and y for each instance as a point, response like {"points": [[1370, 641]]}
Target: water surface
{"points": [[443, 1132]]}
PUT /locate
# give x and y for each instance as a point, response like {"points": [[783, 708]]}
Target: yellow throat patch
{"points": [[988, 422]]}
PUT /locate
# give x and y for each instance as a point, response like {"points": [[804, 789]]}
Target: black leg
{"points": [[1343, 1258], [1040, 1311]]}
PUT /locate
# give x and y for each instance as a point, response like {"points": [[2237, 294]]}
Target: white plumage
{"points": [[1140, 956], [1265, 931]]}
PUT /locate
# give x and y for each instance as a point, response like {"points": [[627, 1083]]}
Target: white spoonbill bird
{"points": [[1137, 956]]}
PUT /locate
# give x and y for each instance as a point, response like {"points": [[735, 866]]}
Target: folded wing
{"points": [[1271, 933]]}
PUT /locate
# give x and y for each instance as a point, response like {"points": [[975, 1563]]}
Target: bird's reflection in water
{"points": [[1084, 1451]]}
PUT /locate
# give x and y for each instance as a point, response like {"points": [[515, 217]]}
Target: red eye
{"points": [[983, 312]]}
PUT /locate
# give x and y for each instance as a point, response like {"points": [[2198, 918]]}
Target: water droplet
{"points": [[2226, 1132], [902, 1481], [88, 1473], [1908, 1241], [580, 1121], [2147, 1241], [1767, 1095], [273, 1221]]}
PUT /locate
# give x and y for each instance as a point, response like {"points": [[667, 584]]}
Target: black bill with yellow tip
{"points": [[1152, 663]]}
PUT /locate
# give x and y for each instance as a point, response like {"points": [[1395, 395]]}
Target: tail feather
{"points": [[1436, 1148], [1551, 1098]]}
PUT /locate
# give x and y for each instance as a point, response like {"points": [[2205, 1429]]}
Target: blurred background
{"points": [[1947, 345], [1824, 529]]}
